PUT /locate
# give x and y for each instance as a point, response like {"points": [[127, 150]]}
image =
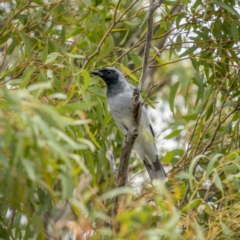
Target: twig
{"points": [[11, 219], [148, 92], [113, 165], [237, 132], [153, 6], [115, 13]]}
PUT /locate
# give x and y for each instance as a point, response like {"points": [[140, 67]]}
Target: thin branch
{"points": [[113, 165], [174, 10], [148, 92], [237, 132], [120, 18], [153, 6], [115, 13], [11, 219]]}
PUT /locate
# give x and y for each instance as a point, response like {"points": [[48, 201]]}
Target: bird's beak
{"points": [[97, 73]]}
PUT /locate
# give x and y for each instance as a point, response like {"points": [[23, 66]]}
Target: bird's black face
{"points": [[109, 75]]}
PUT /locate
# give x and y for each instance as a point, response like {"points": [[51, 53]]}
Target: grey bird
{"points": [[119, 99]]}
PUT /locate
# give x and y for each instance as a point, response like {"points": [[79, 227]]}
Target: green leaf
{"points": [[4, 38], [28, 165], [51, 57], [27, 76], [40, 86], [107, 49], [190, 117], [235, 33], [236, 182], [189, 51], [116, 192], [195, 64], [183, 175], [75, 55], [173, 92], [86, 77], [199, 82], [192, 168], [192, 205], [26, 42], [179, 43], [124, 38], [45, 54], [3, 161], [12, 46], [57, 84], [96, 90], [211, 164], [76, 106], [227, 7], [227, 231], [168, 157], [90, 134], [128, 72], [67, 185], [173, 134], [202, 34], [75, 32], [217, 180]]}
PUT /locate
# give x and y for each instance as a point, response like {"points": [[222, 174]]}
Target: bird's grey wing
{"points": [[120, 108], [147, 150], [121, 124], [145, 121]]}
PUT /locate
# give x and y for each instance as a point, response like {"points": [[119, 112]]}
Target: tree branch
{"points": [[11, 219], [135, 116]]}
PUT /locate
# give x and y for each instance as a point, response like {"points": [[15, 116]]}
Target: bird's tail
{"points": [[155, 170]]}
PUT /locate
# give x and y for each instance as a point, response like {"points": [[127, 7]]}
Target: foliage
{"points": [[55, 125]]}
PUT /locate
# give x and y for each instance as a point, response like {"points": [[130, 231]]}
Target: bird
{"points": [[119, 99]]}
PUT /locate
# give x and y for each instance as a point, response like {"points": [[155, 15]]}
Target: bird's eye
{"points": [[109, 72]]}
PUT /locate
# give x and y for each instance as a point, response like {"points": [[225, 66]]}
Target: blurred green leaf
{"points": [[227, 7], [190, 117], [116, 192], [167, 158], [52, 57], [173, 92], [235, 33], [217, 180], [27, 77], [188, 51], [86, 77], [75, 55], [72, 107], [211, 164], [26, 42], [173, 134]]}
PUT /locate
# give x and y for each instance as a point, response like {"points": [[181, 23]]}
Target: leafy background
{"points": [[55, 128]]}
